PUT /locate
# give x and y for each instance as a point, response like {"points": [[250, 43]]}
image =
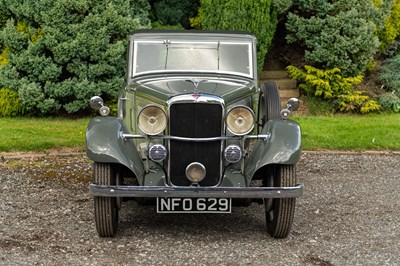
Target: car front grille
{"points": [[195, 120]]}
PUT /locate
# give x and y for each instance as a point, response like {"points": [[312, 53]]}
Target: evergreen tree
{"points": [[256, 16], [338, 34], [61, 52]]}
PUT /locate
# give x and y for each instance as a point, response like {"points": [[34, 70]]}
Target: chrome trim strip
{"points": [[166, 137], [261, 136], [250, 57], [131, 58], [196, 98], [202, 71], [196, 192]]}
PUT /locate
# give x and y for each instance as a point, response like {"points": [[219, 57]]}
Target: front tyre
{"points": [[279, 212], [105, 208]]}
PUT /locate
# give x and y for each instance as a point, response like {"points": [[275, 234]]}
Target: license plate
{"points": [[194, 205]]}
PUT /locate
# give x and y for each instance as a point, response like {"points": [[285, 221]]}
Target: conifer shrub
{"points": [[61, 53], [390, 102], [389, 75], [337, 34], [331, 86]]}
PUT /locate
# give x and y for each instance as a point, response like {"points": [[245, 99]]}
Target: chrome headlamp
{"points": [[240, 120], [152, 120]]}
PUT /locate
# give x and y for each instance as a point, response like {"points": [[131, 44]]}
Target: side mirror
{"points": [[293, 104], [97, 103]]}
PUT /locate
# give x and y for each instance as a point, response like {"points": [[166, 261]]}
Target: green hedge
{"points": [[256, 16]]}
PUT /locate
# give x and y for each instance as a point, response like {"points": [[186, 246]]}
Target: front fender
{"points": [[283, 147], [105, 144]]}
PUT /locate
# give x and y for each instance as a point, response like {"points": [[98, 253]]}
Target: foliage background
{"points": [[391, 29], [338, 34], [256, 16], [56, 54], [173, 13], [61, 53], [331, 86]]}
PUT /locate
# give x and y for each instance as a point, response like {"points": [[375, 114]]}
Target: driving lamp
{"points": [[195, 172], [240, 120], [152, 120]]}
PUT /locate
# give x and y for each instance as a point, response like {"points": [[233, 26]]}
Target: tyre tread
{"points": [[104, 207], [280, 228]]}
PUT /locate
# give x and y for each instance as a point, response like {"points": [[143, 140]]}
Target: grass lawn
{"points": [[38, 134], [340, 132], [351, 132]]}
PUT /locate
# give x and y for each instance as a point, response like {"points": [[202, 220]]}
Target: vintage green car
{"points": [[195, 132]]}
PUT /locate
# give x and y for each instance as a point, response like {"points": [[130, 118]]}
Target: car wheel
{"points": [[105, 208], [279, 213]]}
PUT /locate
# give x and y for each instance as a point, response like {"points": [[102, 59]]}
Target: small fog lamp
{"points": [[195, 172]]}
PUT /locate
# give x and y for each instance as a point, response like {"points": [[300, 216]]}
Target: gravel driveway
{"points": [[349, 215]]}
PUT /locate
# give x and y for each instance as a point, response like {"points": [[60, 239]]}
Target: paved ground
{"points": [[349, 215]]}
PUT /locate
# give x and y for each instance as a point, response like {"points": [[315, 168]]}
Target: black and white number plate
{"points": [[196, 205]]}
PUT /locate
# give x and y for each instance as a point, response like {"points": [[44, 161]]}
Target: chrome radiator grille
{"points": [[195, 120]]}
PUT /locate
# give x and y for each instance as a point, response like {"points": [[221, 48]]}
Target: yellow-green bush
{"points": [[391, 28], [331, 86], [9, 103], [195, 22], [3, 57], [357, 102]]}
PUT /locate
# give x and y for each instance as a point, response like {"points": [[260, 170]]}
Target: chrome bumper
{"points": [[196, 192]]}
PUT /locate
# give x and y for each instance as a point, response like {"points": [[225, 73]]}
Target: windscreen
{"points": [[218, 57]]}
